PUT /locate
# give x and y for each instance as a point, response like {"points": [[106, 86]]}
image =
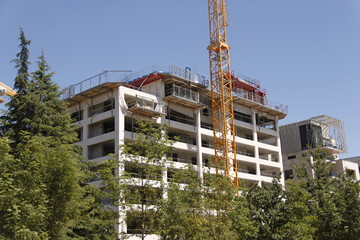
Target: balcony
{"points": [[147, 107], [183, 157], [182, 96], [269, 171], [246, 167], [102, 127], [269, 157], [252, 99], [101, 149], [101, 107], [180, 117]]}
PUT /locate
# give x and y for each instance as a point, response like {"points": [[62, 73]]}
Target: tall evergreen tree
{"points": [[19, 114], [47, 194], [22, 65], [50, 118]]}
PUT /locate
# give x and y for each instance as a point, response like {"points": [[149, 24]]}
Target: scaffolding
{"points": [[322, 131], [328, 132]]}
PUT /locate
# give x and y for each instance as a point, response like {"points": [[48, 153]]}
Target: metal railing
{"points": [[127, 77], [271, 157], [172, 117], [246, 170], [207, 145], [248, 154], [184, 93], [184, 73], [147, 103], [251, 96], [269, 173], [101, 107], [268, 141], [183, 160], [98, 79]]}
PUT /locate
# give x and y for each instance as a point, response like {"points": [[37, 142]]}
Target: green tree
{"points": [[218, 204], [212, 209], [50, 118], [137, 184], [301, 219], [242, 219], [95, 221], [182, 215], [19, 111], [42, 174], [269, 210], [334, 200], [23, 201], [324, 199], [348, 190]]}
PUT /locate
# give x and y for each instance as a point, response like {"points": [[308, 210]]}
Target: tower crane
{"points": [[5, 90], [221, 92]]}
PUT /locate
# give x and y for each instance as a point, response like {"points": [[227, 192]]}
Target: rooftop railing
{"points": [[98, 79], [127, 77], [253, 97]]}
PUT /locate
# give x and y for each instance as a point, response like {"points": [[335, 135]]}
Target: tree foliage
{"points": [[333, 200], [43, 187]]}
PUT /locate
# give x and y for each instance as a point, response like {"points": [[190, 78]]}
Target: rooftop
{"points": [[246, 90]]}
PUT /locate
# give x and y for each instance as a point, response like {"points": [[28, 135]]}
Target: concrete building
{"points": [[322, 132], [351, 164], [106, 106]]}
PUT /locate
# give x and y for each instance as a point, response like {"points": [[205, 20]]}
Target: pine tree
{"points": [[50, 118], [22, 65], [18, 117], [42, 180]]}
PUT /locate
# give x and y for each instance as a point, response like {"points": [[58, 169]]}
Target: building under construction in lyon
{"points": [[106, 106]]}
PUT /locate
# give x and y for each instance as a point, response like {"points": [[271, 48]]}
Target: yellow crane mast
{"points": [[5, 90], [221, 92]]}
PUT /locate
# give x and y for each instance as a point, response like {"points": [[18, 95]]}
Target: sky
{"points": [[306, 53]]}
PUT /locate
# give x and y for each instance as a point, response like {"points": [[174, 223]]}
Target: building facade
{"points": [[323, 132], [106, 106]]}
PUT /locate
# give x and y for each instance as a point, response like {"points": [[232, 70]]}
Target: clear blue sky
{"points": [[306, 53]]}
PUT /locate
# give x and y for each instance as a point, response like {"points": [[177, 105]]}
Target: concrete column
{"points": [[198, 144], [256, 150], [119, 112], [164, 170], [85, 126], [253, 120], [119, 115], [278, 144], [164, 178]]}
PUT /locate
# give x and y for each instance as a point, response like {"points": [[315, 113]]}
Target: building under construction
{"points": [[322, 132], [106, 106]]}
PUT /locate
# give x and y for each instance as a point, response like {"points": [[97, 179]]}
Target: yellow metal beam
{"points": [[221, 92], [5, 90]]}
